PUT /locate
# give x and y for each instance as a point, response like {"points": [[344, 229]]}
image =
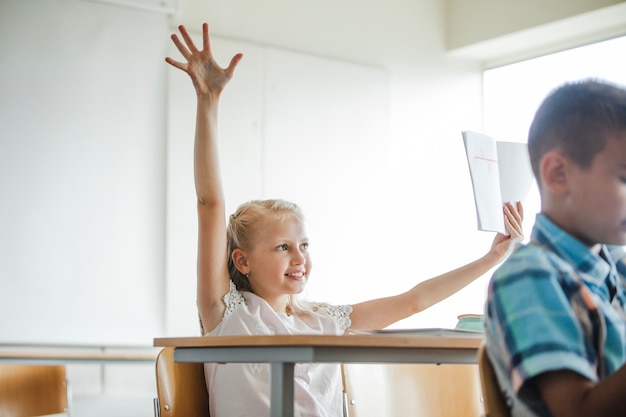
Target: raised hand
{"points": [[206, 75], [513, 217]]}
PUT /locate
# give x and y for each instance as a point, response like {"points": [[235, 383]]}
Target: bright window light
{"points": [[513, 92]]}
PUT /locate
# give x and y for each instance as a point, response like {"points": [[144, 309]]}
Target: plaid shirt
{"points": [[553, 305]]}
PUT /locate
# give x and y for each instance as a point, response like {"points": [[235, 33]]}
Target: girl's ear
{"points": [[553, 171], [240, 260]]}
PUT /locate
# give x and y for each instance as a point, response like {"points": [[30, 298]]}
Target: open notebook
{"points": [[500, 172]]}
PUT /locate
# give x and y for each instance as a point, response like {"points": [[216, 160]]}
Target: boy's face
{"points": [[596, 198]]}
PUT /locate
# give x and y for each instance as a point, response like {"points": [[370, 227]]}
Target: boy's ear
{"points": [[553, 169], [240, 261]]}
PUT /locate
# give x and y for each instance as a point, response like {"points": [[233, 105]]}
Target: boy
{"points": [[555, 315]]}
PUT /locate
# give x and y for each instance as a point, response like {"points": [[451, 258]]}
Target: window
{"points": [[513, 92]]}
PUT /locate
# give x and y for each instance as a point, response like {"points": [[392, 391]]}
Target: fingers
{"points": [[181, 48], [200, 65], [187, 39], [516, 213], [233, 64], [206, 44], [176, 64], [513, 228], [513, 219], [189, 48]]}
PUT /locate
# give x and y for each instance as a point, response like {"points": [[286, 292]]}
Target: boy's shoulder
{"points": [[534, 269], [529, 257]]}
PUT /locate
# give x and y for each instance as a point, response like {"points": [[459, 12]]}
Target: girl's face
{"points": [[279, 262]]}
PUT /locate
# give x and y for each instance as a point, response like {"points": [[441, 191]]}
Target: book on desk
{"points": [[433, 331]]}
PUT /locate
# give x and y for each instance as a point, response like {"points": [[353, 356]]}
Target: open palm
{"points": [[207, 76]]}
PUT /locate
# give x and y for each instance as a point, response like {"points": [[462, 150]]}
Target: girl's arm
{"points": [[209, 81], [381, 312]]}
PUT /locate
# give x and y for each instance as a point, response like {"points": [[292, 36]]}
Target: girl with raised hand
{"points": [[251, 270]]}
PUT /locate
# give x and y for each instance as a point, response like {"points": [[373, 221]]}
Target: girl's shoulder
{"points": [[232, 299], [339, 313]]}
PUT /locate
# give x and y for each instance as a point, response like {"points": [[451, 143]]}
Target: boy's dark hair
{"points": [[577, 117]]}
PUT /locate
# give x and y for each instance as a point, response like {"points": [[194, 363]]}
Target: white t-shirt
{"points": [[243, 390]]}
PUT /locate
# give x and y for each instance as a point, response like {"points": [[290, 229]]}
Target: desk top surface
{"points": [[68, 354], [391, 340]]}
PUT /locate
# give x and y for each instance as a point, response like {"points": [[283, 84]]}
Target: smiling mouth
{"points": [[296, 275]]}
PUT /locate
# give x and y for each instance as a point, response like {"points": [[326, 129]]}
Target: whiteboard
{"points": [[82, 173]]}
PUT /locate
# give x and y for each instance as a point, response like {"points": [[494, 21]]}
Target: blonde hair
{"points": [[247, 224]]}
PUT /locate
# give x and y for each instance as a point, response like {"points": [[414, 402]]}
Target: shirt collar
{"points": [[594, 266]]}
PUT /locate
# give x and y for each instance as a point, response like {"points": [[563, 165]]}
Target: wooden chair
{"points": [[493, 399], [33, 390], [181, 388], [425, 390]]}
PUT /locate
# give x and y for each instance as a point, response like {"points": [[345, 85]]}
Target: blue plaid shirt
{"points": [[554, 304]]}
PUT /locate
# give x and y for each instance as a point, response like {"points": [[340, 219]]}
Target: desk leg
{"points": [[281, 395]]}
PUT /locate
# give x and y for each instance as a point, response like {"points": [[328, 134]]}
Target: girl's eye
{"points": [[304, 246], [283, 247]]}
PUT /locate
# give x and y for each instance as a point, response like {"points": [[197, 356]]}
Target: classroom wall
{"points": [[92, 215], [82, 173], [82, 168], [97, 238]]}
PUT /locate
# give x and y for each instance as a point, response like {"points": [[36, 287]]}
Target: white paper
{"points": [[516, 176], [500, 172]]}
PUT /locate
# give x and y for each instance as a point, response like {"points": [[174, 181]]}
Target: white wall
{"points": [[81, 172], [83, 164]]}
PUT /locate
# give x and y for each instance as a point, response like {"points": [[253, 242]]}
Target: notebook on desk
{"points": [[432, 331]]}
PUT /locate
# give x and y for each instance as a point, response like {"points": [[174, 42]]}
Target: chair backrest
{"points": [[181, 388], [33, 390], [493, 399]]}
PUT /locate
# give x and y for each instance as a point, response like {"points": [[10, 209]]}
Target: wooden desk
{"points": [[284, 351], [62, 355]]}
